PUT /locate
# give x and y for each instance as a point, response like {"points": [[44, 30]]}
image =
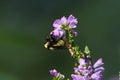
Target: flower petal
{"points": [[81, 61], [57, 23], [57, 33], [53, 72], [75, 33], [99, 69], [98, 63], [63, 20], [72, 19], [96, 76], [76, 77], [72, 25]]}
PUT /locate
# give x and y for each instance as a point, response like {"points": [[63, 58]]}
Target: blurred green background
{"points": [[25, 24]]}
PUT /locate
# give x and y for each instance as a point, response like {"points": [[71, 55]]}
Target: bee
{"points": [[53, 43]]}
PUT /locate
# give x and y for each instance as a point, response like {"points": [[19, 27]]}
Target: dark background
{"points": [[25, 24]]}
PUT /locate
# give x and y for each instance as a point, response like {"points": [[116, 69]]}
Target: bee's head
{"points": [[53, 38], [50, 41]]}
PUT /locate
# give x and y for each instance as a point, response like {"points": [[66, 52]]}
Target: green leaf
{"points": [[87, 51]]}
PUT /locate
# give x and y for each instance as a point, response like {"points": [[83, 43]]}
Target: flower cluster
{"points": [[85, 70], [56, 75], [64, 23]]}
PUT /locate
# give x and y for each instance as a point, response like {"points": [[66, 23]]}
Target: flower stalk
{"points": [[84, 68]]}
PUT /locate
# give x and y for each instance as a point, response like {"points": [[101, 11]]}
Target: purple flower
{"points": [[64, 20], [57, 33], [53, 72], [75, 33], [56, 74], [76, 77], [81, 61], [70, 22], [98, 63], [86, 71], [96, 76], [63, 24], [80, 77]]}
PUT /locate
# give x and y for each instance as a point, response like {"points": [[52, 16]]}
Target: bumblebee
{"points": [[53, 43]]}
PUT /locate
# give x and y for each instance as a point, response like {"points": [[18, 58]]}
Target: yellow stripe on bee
{"points": [[59, 43], [46, 44], [51, 48]]}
